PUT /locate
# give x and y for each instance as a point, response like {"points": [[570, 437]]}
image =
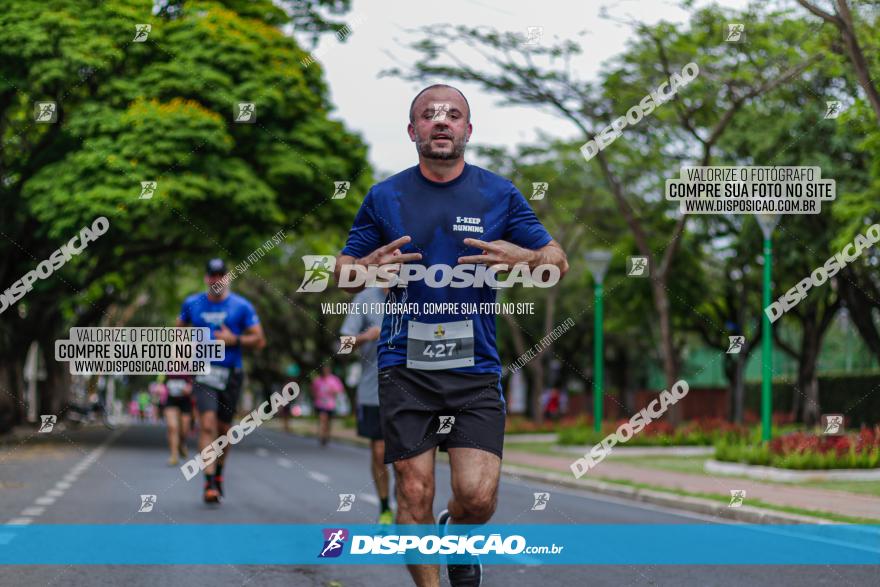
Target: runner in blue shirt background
{"points": [[233, 320]]}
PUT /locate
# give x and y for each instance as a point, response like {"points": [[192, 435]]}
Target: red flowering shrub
{"points": [[808, 450]]}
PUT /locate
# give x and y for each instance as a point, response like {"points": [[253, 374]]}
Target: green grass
{"points": [[726, 499], [689, 464], [863, 487], [694, 465], [544, 448]]}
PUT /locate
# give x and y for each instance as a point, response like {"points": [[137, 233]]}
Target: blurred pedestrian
{"points": [[366, 326], [177, 410], [552, 404], [325, 388], [143, 399]]}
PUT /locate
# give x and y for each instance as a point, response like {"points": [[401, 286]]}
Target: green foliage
{"points": [[691, 434], [161, 110]]}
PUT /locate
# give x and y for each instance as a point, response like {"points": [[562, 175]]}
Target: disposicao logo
{"points": [[334, 541]]}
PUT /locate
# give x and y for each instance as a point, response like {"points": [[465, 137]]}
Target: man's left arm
{"points": [[251, 337], [505, 253]]}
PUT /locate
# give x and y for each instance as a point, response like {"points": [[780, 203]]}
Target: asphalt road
{"points": [[273, 478]]}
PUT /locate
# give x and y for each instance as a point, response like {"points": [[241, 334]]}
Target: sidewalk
{"points": [[835, 502], [785, 495]]}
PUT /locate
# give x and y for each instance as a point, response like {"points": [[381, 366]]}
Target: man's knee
{"points": [[415, 492], [208, 424], [478, 503], [378, 451]]}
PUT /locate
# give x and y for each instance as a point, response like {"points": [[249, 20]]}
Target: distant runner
{"points": [[233, 320], [365, 326], [177, 411], [435, 367], [325, 388]]}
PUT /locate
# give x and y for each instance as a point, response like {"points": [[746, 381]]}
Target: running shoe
{"points": [[183, 451], [172, 460], [386, 518], [460, 575], [218, 483], [211, 493]]}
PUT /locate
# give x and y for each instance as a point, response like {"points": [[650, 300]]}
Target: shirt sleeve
{"points": [[365, 235], [185, 313], [249, 316], [353, 323], [523, 227]]}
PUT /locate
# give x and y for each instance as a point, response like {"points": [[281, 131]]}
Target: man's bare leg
{"points": [[172, 420], [475, 475], [223, 428], [378, 468], [207, 434], [323, 427], [415, 503]]}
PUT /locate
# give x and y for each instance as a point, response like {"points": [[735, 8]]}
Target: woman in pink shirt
{"points": [[324, 391]]}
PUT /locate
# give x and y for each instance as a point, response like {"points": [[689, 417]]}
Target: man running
{"points": [[233, 320], [436, 366], [365, 324]]}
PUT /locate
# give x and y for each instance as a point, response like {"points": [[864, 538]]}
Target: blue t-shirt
{"points": [[439, 216], [236, 312]]}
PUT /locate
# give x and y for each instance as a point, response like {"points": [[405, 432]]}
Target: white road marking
{"points": [[319, 477], [286, 463], [51, 495], [262, 452], [369, 498]]}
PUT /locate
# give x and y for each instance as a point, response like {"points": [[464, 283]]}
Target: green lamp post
{"points": [[767, 222], [597, 263]]}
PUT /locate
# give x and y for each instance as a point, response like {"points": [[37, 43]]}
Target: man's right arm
{"points": [[385, 255], [343, 260]]}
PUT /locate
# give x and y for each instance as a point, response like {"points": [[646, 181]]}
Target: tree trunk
{"points": [[739, 388], [670, 368], [536, 388], [859, 295], [857, 57], [734, 370], [808, 381], [534, 368], [12, 411]]}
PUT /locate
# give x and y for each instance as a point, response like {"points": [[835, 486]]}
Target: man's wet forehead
{"points": [[440, 96]]}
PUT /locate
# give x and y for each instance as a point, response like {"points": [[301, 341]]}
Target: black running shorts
{"points": [[181, 402], [369, 424], [424, 409], [220, 401]]}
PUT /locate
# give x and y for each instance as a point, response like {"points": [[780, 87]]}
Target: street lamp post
{"points": [[767, 222], [597, 263]]}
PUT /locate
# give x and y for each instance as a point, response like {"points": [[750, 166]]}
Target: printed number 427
{"points": [[439, 350]]}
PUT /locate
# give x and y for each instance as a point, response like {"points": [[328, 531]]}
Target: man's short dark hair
{"points": [[412, 105]]}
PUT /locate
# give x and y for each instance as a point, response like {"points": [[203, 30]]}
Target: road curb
{"points": [[746, 514]]}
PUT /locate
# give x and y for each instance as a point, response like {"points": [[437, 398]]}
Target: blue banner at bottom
{"points": [[522, 544]]}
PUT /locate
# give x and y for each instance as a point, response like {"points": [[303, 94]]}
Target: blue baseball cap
{"points": [[216, 267]]}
